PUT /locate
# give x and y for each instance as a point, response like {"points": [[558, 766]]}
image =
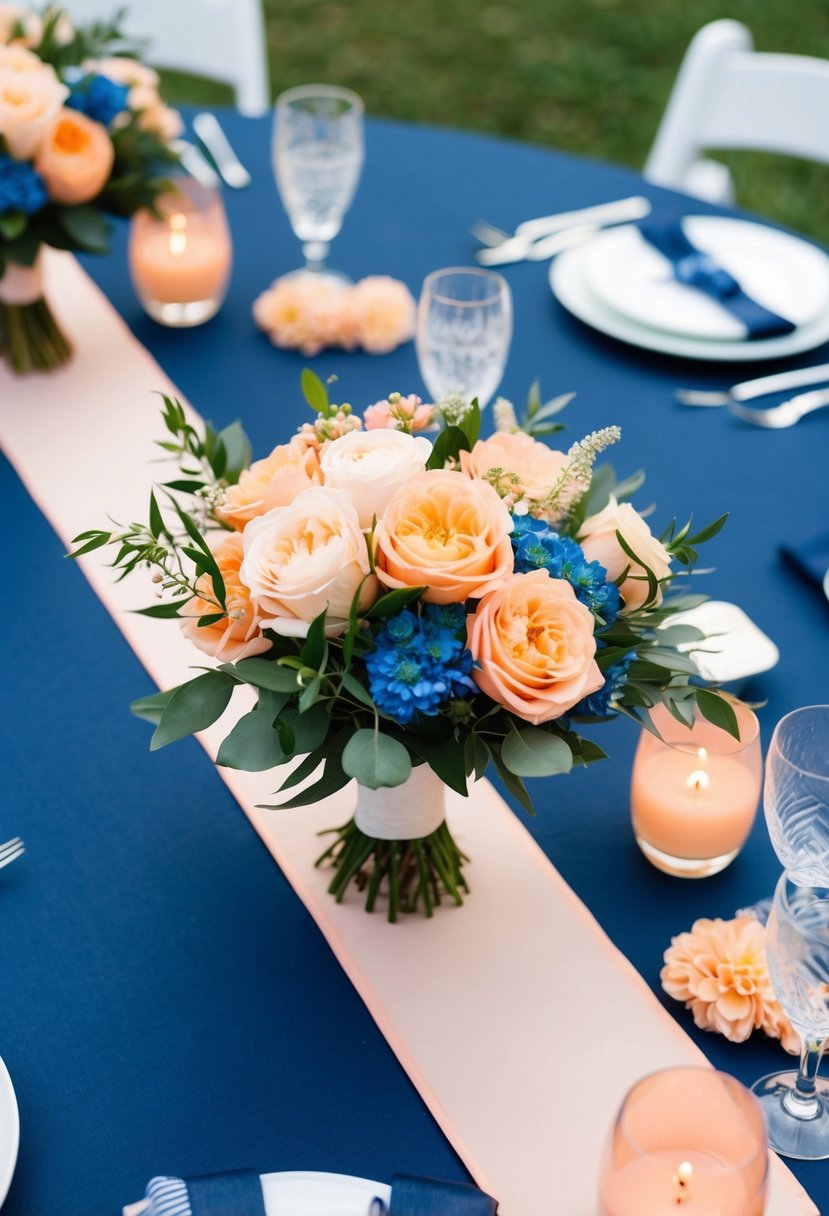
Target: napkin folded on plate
{"points": [[240, 1193], [695, 268], [811, 557]]}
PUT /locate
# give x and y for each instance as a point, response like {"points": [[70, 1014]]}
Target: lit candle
{"points": [[180, 262], [695, 792], [686, 1142]]}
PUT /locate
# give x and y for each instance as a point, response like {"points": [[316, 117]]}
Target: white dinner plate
{"points": [[568, 280], [785, 274], [9, 1131], [302, 1193]]}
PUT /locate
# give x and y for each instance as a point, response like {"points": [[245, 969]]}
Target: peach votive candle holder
{"points": [[695, 791], [180, 256], [690, 1141]]}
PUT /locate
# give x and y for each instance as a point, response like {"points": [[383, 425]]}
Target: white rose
{"points": [[371, 465], [123, 70], [12, 15], [16, 58], [600, 544], [30, 103], [305, 558]]}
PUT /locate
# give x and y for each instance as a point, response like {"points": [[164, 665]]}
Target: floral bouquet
{"points": [[408, 603], [83, 133]]}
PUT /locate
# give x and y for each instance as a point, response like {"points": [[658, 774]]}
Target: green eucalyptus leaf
{"points": [[262, 673], [718, 711], [314, 392], [193, 707], [533, 752], [254, 744], [151, 708], [376, 760], [393, 602]]}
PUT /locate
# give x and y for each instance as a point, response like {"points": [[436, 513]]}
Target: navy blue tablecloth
{"points": [[167, 1003]]}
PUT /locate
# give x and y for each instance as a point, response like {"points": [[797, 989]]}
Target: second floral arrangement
{"points": [[409, 603]]}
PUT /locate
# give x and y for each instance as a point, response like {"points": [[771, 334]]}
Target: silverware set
{"points": [[786, 414], [10, 851], [212, 138], [544, 237]]}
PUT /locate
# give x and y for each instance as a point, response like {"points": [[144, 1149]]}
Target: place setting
{"points": [[389, 751]]}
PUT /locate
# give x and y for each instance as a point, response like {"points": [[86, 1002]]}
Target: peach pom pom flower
{"points": [[719, 970], [309, 312]]}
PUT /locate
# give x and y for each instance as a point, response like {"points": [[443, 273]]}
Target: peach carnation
{"points": [[446, 533], [719, 970], [76, 159], [378, 313], [300, 313], [272, 482], [534, 647], [237, 635], [528, 468]]}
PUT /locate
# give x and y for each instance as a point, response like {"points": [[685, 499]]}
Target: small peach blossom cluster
{"points": [[719, 970], [309, 312]]}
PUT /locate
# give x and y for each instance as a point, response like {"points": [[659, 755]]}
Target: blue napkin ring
{"points": [[428, 1197]]}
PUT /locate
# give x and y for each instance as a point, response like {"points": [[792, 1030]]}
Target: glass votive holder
{"points": [[694, 792], [686, 1140], [180, 256]]}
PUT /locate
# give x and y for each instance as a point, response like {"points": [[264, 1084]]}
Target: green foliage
{"points": [[531, 751], [315, 392], [376, 760], [193, 707]]}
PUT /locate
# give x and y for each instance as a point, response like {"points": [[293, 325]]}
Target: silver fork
{"points": [[10, 851], [746, 389], [783, 415]]}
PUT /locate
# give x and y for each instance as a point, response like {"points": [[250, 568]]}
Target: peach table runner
{"points": [[533, 1025]]}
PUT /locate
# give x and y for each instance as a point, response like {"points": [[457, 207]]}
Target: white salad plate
{"points": [[9, 1131], [584, 285]]}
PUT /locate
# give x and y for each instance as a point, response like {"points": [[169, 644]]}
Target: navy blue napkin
{"points": [[429, 1197], [697, 269], [811, 557]]}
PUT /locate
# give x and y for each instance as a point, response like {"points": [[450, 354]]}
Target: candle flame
{"points": [[684, 1174], [178, 234], [699, 780]]}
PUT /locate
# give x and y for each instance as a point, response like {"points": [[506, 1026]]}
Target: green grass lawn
{"points": [[588, 76]]}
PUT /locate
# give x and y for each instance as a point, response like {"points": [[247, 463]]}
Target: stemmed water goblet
{"points": [[317, 159], [796, 797], [464, 330], [796, 1103]]}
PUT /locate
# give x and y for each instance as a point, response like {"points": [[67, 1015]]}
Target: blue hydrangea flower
{"points": [[21, 187], [538, 547], [420, 663], [100, 98], [614, 681]]}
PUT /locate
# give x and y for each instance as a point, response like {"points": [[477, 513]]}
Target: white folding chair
{"points": [[729, 96], [221, 39]]}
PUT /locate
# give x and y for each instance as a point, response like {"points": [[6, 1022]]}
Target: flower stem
{"points": [[30, 339], [412, 875]]}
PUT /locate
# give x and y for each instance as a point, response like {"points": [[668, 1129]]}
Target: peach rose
{"points": [[306, 558], [16, 58], [272, 482], [378, 313], [238, 635], [123, 70], [30, 102], [446, 533], [535, 467], [719, 970], [371, 465], [534, 647], [76, 159], [12, 15], [600, 544]]}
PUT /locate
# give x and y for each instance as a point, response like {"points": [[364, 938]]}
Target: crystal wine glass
{"points": [[796, 1104], [317, 160], [464, 329], [796, 798]]}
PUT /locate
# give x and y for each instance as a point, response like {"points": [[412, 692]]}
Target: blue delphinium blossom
{"points": [[21, 187], [615, 678], [420, 663], [100, 98], [538, 547]]}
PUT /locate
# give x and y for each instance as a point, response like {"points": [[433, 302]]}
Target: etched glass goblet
{"points": [[464, 330], [796, 799], [796, 1103]]}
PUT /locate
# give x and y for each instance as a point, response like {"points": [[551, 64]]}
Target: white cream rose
{"points": [[371, 465], [305, 558], [16, 16], [600, 544], [30, 103]]}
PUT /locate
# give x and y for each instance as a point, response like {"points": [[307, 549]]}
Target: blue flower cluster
{"points": [[420, 662], [614, 681], [538, 547], [100, 98], [21, 187]]}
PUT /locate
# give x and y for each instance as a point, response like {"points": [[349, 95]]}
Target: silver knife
{"points": [[210, 133], [531, 239], [780, 382], [194, 163]]}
